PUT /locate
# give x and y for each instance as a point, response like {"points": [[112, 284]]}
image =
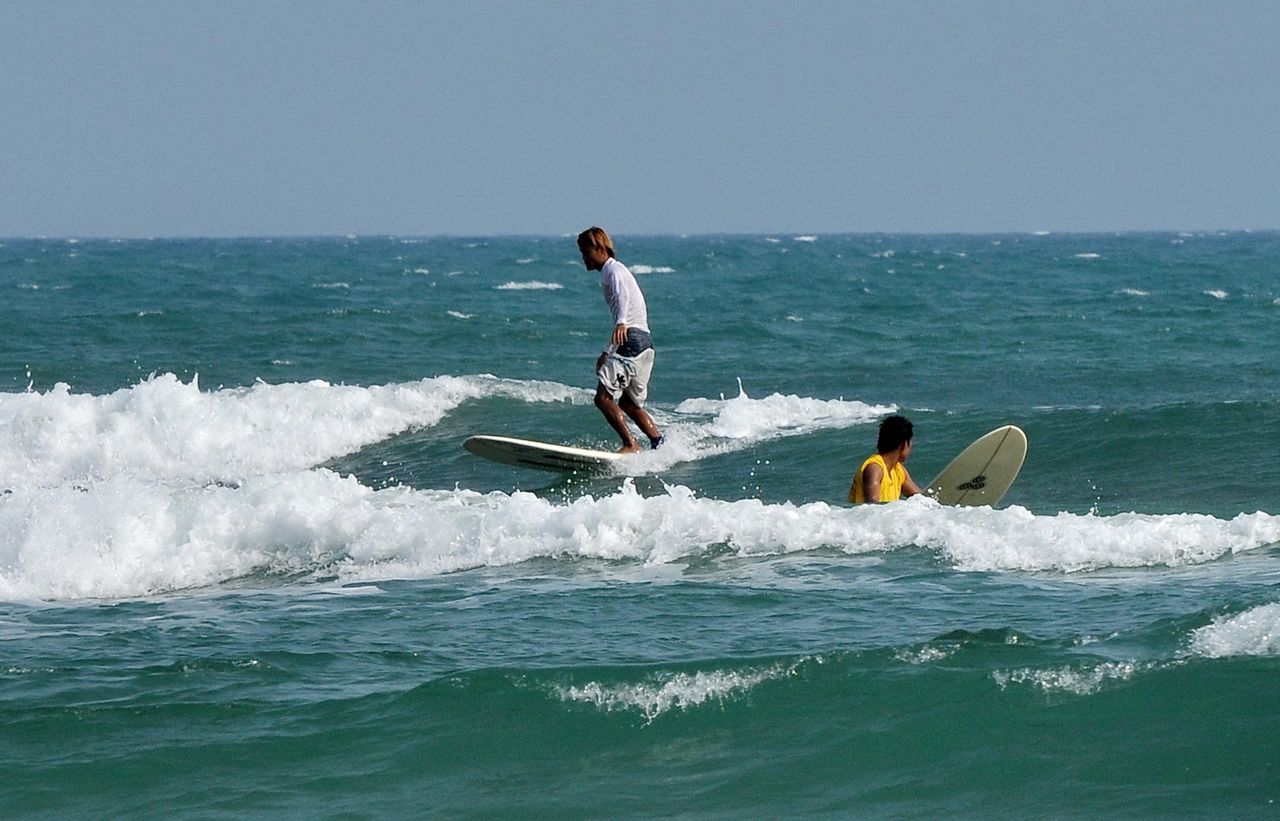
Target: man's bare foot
{"points": [[631, 448]]}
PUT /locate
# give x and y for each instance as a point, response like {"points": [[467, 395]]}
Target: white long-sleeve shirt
{"points": [[623, 296]]}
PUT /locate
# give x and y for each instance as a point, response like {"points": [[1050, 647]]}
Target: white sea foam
{"points": [[651, 269], [1089, 256], [165, 428], [162, 487], [1014, 539], [331, 286], [925, 654], [1254, 632], [677, 691], [126, 537], [529, 286], [1217, 294], [703, 428], [460, 315], [745, 418], [1133, 292], [805, 238], [1081, 681]]}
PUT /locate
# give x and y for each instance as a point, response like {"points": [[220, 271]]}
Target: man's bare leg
{"points": [[641, 417], [616, 419]]}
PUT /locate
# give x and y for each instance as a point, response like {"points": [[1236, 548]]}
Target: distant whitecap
{"points": [[460, 315], [805, 238], [1089, 256], [1217, 294], [529, 286], [651, 269]]}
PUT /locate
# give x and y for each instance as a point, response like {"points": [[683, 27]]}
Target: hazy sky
{"points": [[309, 118]]}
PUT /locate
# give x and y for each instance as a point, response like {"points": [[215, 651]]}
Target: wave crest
{"points": [[130, 537]]}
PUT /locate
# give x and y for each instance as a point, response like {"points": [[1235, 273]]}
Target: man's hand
{"points": [[619, 334]]}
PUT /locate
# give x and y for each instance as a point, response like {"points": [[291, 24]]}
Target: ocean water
{"points": [[246, 568]]}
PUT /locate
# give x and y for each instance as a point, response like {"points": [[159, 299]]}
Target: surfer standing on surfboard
{"points": [[627, 361], [883, 476]]}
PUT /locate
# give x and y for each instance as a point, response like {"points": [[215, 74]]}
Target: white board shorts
{"points": [[627, 374]]}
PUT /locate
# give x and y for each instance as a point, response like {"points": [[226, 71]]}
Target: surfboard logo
{"points": [[976, 483]]}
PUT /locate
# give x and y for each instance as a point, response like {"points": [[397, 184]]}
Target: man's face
{"points": [[594, 258]]}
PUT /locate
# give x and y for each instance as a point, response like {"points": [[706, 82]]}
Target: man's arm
{"points": [[909, 486], [617, 298], [872, 474]]}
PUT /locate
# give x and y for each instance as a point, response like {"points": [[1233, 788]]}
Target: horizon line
{"points": [[682, 235]]}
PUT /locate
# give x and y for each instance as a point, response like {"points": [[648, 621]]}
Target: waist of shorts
{"points": [[638, 342]]}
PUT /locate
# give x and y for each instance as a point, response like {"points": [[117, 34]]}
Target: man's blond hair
{"points": [[596, 237]]}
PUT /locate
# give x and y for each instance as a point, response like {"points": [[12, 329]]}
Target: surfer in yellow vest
{"points": [[883, 476], [624, 367]]}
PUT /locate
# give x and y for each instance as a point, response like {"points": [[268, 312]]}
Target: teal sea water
{"points": [[246, 567]]}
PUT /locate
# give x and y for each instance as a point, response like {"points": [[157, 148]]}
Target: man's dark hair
{"points": [[894, 432]]}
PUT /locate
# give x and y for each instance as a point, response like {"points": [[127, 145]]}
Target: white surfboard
{"points": [[983, 472], [527, 453]]}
